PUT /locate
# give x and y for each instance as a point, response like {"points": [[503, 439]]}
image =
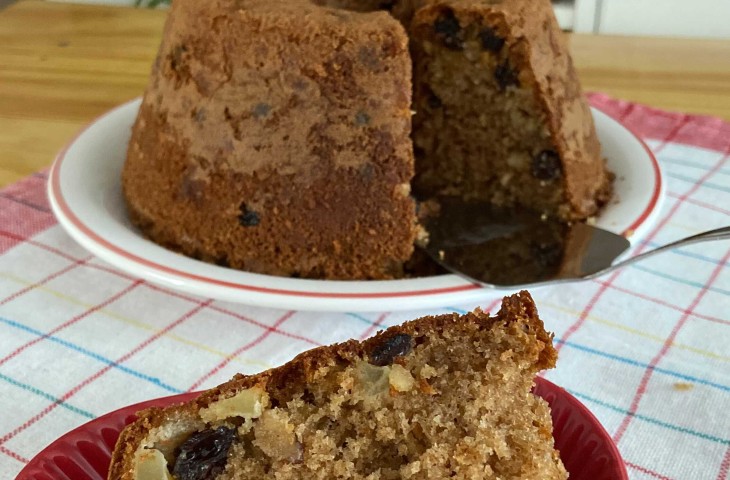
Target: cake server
{"points": [[501, 248]]}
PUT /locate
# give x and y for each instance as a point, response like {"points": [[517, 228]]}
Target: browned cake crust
{"points": [[274, 138], [500, 112], [482, 368]]}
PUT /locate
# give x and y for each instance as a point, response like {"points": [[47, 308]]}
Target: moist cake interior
{"points": [[478, 131], [439, 397]]}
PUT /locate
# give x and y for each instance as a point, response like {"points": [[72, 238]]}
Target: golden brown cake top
{"points": [[239, 82]]}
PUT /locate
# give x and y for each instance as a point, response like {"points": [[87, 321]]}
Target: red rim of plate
{"points": [[63, 445], [57, 194]]}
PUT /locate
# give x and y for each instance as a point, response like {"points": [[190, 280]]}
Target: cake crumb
{"points": [[363, 410]]}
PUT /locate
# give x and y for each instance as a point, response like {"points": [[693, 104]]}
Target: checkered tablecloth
{"points": [[647, 348]]}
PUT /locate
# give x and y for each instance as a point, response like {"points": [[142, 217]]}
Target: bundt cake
{"points": [[278, 137], [438, 397]]}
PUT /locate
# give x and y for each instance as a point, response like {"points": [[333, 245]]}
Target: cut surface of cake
{"points": [[438, 397], [500, 113], [279, 137]]}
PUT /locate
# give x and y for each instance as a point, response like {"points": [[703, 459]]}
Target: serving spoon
{"points": [[504, 248]]}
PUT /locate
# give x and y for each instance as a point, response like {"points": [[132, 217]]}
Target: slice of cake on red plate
{"points": [[439, 397]]}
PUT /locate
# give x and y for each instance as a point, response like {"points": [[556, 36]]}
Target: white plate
{"points": [[85, 194]]}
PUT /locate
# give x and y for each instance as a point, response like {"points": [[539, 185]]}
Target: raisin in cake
{"points": [[438, 397], [279, 137]]}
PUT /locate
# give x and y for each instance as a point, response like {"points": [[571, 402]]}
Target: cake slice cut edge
{"points": [[500, 112], [444, 396]]}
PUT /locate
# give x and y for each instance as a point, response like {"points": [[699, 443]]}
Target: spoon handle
{"points": [[711, 235]]}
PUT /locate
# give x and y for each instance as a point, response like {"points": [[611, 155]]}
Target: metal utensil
{"points": [[504, 248]]}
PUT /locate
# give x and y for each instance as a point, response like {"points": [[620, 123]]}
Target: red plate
{"points": [[84, 453]]}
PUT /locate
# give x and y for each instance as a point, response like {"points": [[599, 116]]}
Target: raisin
{"points": [[434, 101], [248, 218], [395, 346], [546, 165], [178, 54], [261, 110], [203, 455], [506, 76], [362, 118], [447, 26], [490, 40]]}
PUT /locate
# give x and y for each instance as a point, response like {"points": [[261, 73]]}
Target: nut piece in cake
{"points": [[151, 465], [247, 404]]}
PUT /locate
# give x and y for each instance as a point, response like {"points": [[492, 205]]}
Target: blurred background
{"points": [[65, 62], [677, 18]]}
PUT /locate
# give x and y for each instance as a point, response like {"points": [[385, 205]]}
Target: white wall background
{"points": [[677, 18], [706, 18]]}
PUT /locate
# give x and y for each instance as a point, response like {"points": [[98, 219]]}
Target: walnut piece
{"points": [[400, 378], [372, 380], [248, 404], [151, 465], [276, 438]]}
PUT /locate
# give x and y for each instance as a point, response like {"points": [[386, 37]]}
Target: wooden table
{"points": [[62, 64]]}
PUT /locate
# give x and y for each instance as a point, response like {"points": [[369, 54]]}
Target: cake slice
{"points": [[438, 397], [500, 115]]}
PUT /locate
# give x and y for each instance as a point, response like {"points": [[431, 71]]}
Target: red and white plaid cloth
{"points": [[647, 348]]}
